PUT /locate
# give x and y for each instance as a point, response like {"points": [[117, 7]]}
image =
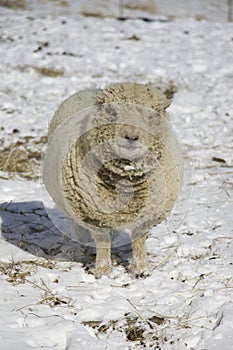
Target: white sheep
{"points": [[113, 162]]}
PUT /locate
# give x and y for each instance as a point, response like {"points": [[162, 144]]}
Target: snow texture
{"points": [[48, 300]]}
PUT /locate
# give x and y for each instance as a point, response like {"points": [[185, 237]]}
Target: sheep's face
{"points": [[129, 131]]}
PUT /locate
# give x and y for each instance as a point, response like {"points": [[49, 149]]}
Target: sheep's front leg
{"points": [[139, 265], [103, 265]]}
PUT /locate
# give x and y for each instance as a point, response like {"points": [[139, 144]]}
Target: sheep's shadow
{"points": [[27, 225]]}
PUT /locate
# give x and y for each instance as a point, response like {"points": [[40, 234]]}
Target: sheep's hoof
{"points": [[99, 272], [139, 270]]}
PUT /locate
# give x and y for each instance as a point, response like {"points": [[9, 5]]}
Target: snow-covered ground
{"points": [[47, 299]]}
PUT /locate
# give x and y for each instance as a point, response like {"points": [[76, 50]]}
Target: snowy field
{"points": [[47, 298]]}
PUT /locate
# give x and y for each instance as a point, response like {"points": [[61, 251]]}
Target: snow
{"points": [[48, 300]]}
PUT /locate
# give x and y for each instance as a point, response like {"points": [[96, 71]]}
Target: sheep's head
{"points": [[125, 131], [140, 114]]}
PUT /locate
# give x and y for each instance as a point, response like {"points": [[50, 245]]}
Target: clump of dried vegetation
{"points": [[14, 4], [22, 157], [40, 70], [136, 329], [19, 273], [146, 6], [168, 88], [48, 71], [87, 13], [16, 272]]}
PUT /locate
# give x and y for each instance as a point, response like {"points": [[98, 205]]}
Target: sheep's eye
{"points": [[153, 116]]}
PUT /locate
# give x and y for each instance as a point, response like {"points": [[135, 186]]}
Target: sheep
{"points": [[113, 163]]}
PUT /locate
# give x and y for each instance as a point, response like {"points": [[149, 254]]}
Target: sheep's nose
{"points": [[131, 137], [130, 133]]}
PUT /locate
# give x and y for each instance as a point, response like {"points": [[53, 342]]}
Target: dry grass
{"points": [[22, 157], [146, 332], [87, 13], [49, 71], [49, 297], [16, 272], [133, 38], [168, 88], [200, 18], [14, 4], [62, 3], [43, 71], [146, 6]]}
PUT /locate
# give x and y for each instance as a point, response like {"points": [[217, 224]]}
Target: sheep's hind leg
{"points": [[103, 265], [139, 266]]}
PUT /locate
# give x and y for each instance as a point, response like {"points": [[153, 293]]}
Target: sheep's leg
{"points": [[103, 254], [139, 265]]}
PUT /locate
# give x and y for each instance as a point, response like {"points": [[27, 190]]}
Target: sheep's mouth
{"points": [[133, 147], [131, 153], [129, 150], [129, 143]]}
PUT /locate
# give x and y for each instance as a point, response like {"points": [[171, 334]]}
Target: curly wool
{"points": [[143, 95]]}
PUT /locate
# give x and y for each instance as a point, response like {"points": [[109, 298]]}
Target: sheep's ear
{"points": [[167, 103]]}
